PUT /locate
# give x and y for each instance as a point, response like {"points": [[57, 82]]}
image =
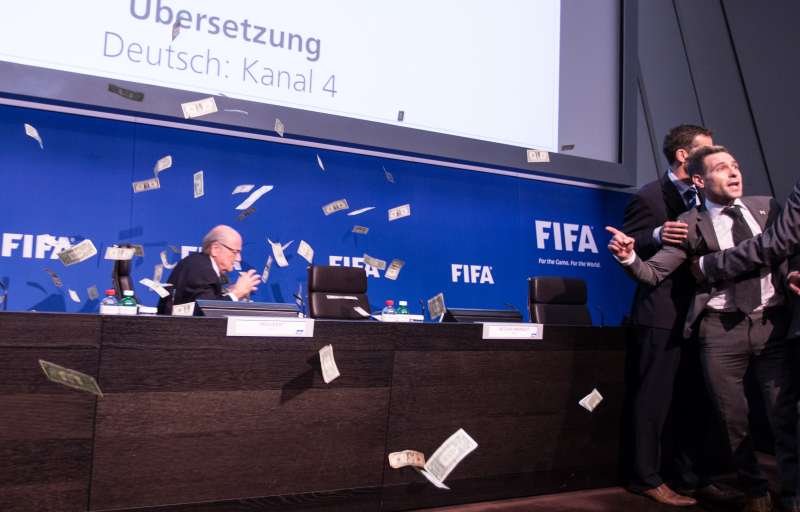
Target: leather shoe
{"points": [[717, 494], [759, 504], [663, 494]]}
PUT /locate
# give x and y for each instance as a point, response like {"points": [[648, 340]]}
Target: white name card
{"points": [[266, 326], [511, 331]]}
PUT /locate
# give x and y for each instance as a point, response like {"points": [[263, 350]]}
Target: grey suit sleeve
{"points": [[659, 267], [779, 241]]}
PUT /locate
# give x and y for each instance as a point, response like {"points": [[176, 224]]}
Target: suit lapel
{"points": [[706, 228], [673, 200], [761, 215]]}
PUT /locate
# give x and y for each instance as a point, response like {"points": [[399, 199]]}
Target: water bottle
{"points": [[402, 307], [109, 305], [388, 309], [128, 304]]}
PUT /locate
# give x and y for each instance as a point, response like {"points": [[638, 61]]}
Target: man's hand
{"points": [[620, 245], [246, 284], [794, 281], [674, 232]]}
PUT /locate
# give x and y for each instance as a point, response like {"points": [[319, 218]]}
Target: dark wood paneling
{"points": [[49, 330]]}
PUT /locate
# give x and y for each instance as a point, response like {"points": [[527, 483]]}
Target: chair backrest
{"points": [[558, 300], [334, 292], [121, 276]]}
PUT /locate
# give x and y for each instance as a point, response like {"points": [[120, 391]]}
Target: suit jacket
{"points": [[192, 278], [663, 306], [701, 240]]}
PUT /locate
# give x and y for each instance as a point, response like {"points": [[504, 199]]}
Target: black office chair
{"points": [[558, 300], [121, 276], [334, 292]]}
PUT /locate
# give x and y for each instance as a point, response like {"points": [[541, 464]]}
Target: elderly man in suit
{"points": [[740, 325]]}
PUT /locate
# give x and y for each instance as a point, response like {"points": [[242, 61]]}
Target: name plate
{"points": [[511, 331], [269, 326]]}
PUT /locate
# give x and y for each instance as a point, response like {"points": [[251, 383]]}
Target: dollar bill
{"points": [[145, 185], [405, 458], [360, 311], [360, 211], [375, 262], [394, 269], [567, 147], [120, 253], [277, 251], [163, 164], [70, 378], [33, 133], [389, 177], [361, 230], [54, 277], [436, 306], [73, 295], [592, 400], [305, 250], [77, 253], [254, 196], [248, 212], [92, 292], [267, 267], [199, 190], [242, 189], [319, 162], [445, 459], [126, 93], [404, 210], [431, 478], [165, 263], [158, 272], [335, 206], [279, 128], [536, 155], [329, 369], [183, 309], [156, 287], [176, 29], [199, 108]]}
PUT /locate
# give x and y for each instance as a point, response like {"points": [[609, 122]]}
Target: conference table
{"points": [[194, 420]]}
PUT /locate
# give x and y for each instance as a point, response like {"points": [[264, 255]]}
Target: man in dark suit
{"points": [[202, 275], [656, 349], [739, 324]]}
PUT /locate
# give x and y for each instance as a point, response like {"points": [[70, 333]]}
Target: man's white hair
{"points": [[221, 233]]}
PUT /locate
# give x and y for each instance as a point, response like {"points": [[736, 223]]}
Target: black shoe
{"points": [[717, 494]]}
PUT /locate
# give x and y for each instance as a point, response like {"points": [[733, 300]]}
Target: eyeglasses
{"points": [[236, 252]]}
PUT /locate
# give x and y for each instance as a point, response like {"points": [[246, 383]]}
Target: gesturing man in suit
{"points": [[657, 350], [202, 275], [740, 324]]}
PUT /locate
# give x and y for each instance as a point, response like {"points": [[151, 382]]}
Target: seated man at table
{"points": [[202, 275]]}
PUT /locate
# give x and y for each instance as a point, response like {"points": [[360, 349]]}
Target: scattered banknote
{"points": [[445, 459], [536, 155], [279, 128], [305, 250], [329, 369], [120, 253], [267, 267], [361, 230], [163, 164], [360, 311], [319, 162], [158, 272], [374, 262], [33, 133], [592, 400], [335, 206], [389, 177], [183, 309], [277, 251], [167, 265], [248, 212], [567, 147], [199, 189], [176, 29], [156, 287], [73, 295], [126, 93], [431, 478], [242, 189], [254, 196], [436, 306], [145, 185], [138, 250], [70, 378], [360, 211], [92, 292], [199, 108], [404, 210], [77, 253], [405, 458], [54, 277], [394, 269]]}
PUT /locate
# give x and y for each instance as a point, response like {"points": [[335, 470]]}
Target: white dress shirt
{"points": [[225, 292]]}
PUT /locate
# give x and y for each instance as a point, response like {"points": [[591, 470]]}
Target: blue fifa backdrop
{"points": [[475, 237]]}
